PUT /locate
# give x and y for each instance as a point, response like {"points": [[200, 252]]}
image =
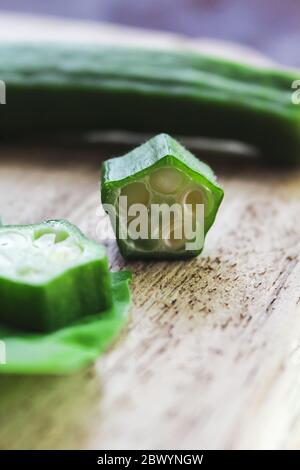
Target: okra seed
{"points": [[65, 253], [136, 193], [193, 197], [174, 243], [146, 245], [57, 236], [175, 239], [166, 180], [45, 240]]}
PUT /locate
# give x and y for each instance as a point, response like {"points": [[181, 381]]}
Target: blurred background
{"points": [[271, 26]]}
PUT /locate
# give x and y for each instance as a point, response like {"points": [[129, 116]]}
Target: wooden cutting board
{"points": [[210, 357]]}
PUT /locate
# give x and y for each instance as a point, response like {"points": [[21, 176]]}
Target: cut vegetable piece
{"points": [[73, 347], [174, 180], [51, 276]]}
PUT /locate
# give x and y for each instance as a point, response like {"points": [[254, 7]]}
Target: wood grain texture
{"points": [[211, 354]]}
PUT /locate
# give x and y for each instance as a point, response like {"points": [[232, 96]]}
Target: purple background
{"points": [[272, 26]]}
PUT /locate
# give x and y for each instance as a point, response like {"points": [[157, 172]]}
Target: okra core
{"points": [[33, 255], [164, 186]]}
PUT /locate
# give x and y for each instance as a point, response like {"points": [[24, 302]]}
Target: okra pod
{"points": [[50, 276], [161, 199], [89, 87]]}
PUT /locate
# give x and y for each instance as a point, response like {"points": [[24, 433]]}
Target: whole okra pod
{"points": [[52, 87]]}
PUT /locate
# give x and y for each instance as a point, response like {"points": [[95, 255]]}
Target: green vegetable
{"points": [[50, 276], [71, 348], [160, 174], [52, 87]]}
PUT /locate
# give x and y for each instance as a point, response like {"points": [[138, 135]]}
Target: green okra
{"points": [[68, 87], [71, 348], [160, 175], [50, 276]]}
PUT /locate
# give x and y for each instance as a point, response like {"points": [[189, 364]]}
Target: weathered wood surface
{"points": [[211, 354]]}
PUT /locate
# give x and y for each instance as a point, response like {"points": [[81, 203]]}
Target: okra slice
{"points": [[50, 276], [161, 200]]}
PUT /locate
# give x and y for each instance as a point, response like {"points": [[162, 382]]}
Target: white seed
{"points": [[166, 180], [197, 195], [174, 243], [193, 197], [65, 254], [136, 193], [175, 239], [45, 240]]}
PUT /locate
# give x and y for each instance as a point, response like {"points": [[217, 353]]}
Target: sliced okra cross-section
{"points": [[161, 199], [50, 276]]}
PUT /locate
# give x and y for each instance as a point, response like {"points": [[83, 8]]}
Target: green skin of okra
{"points": [[160, 151], [86, 87], [61, 296]]}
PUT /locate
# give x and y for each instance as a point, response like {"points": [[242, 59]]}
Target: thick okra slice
{"points": [[50, 276], [154, 194]]}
